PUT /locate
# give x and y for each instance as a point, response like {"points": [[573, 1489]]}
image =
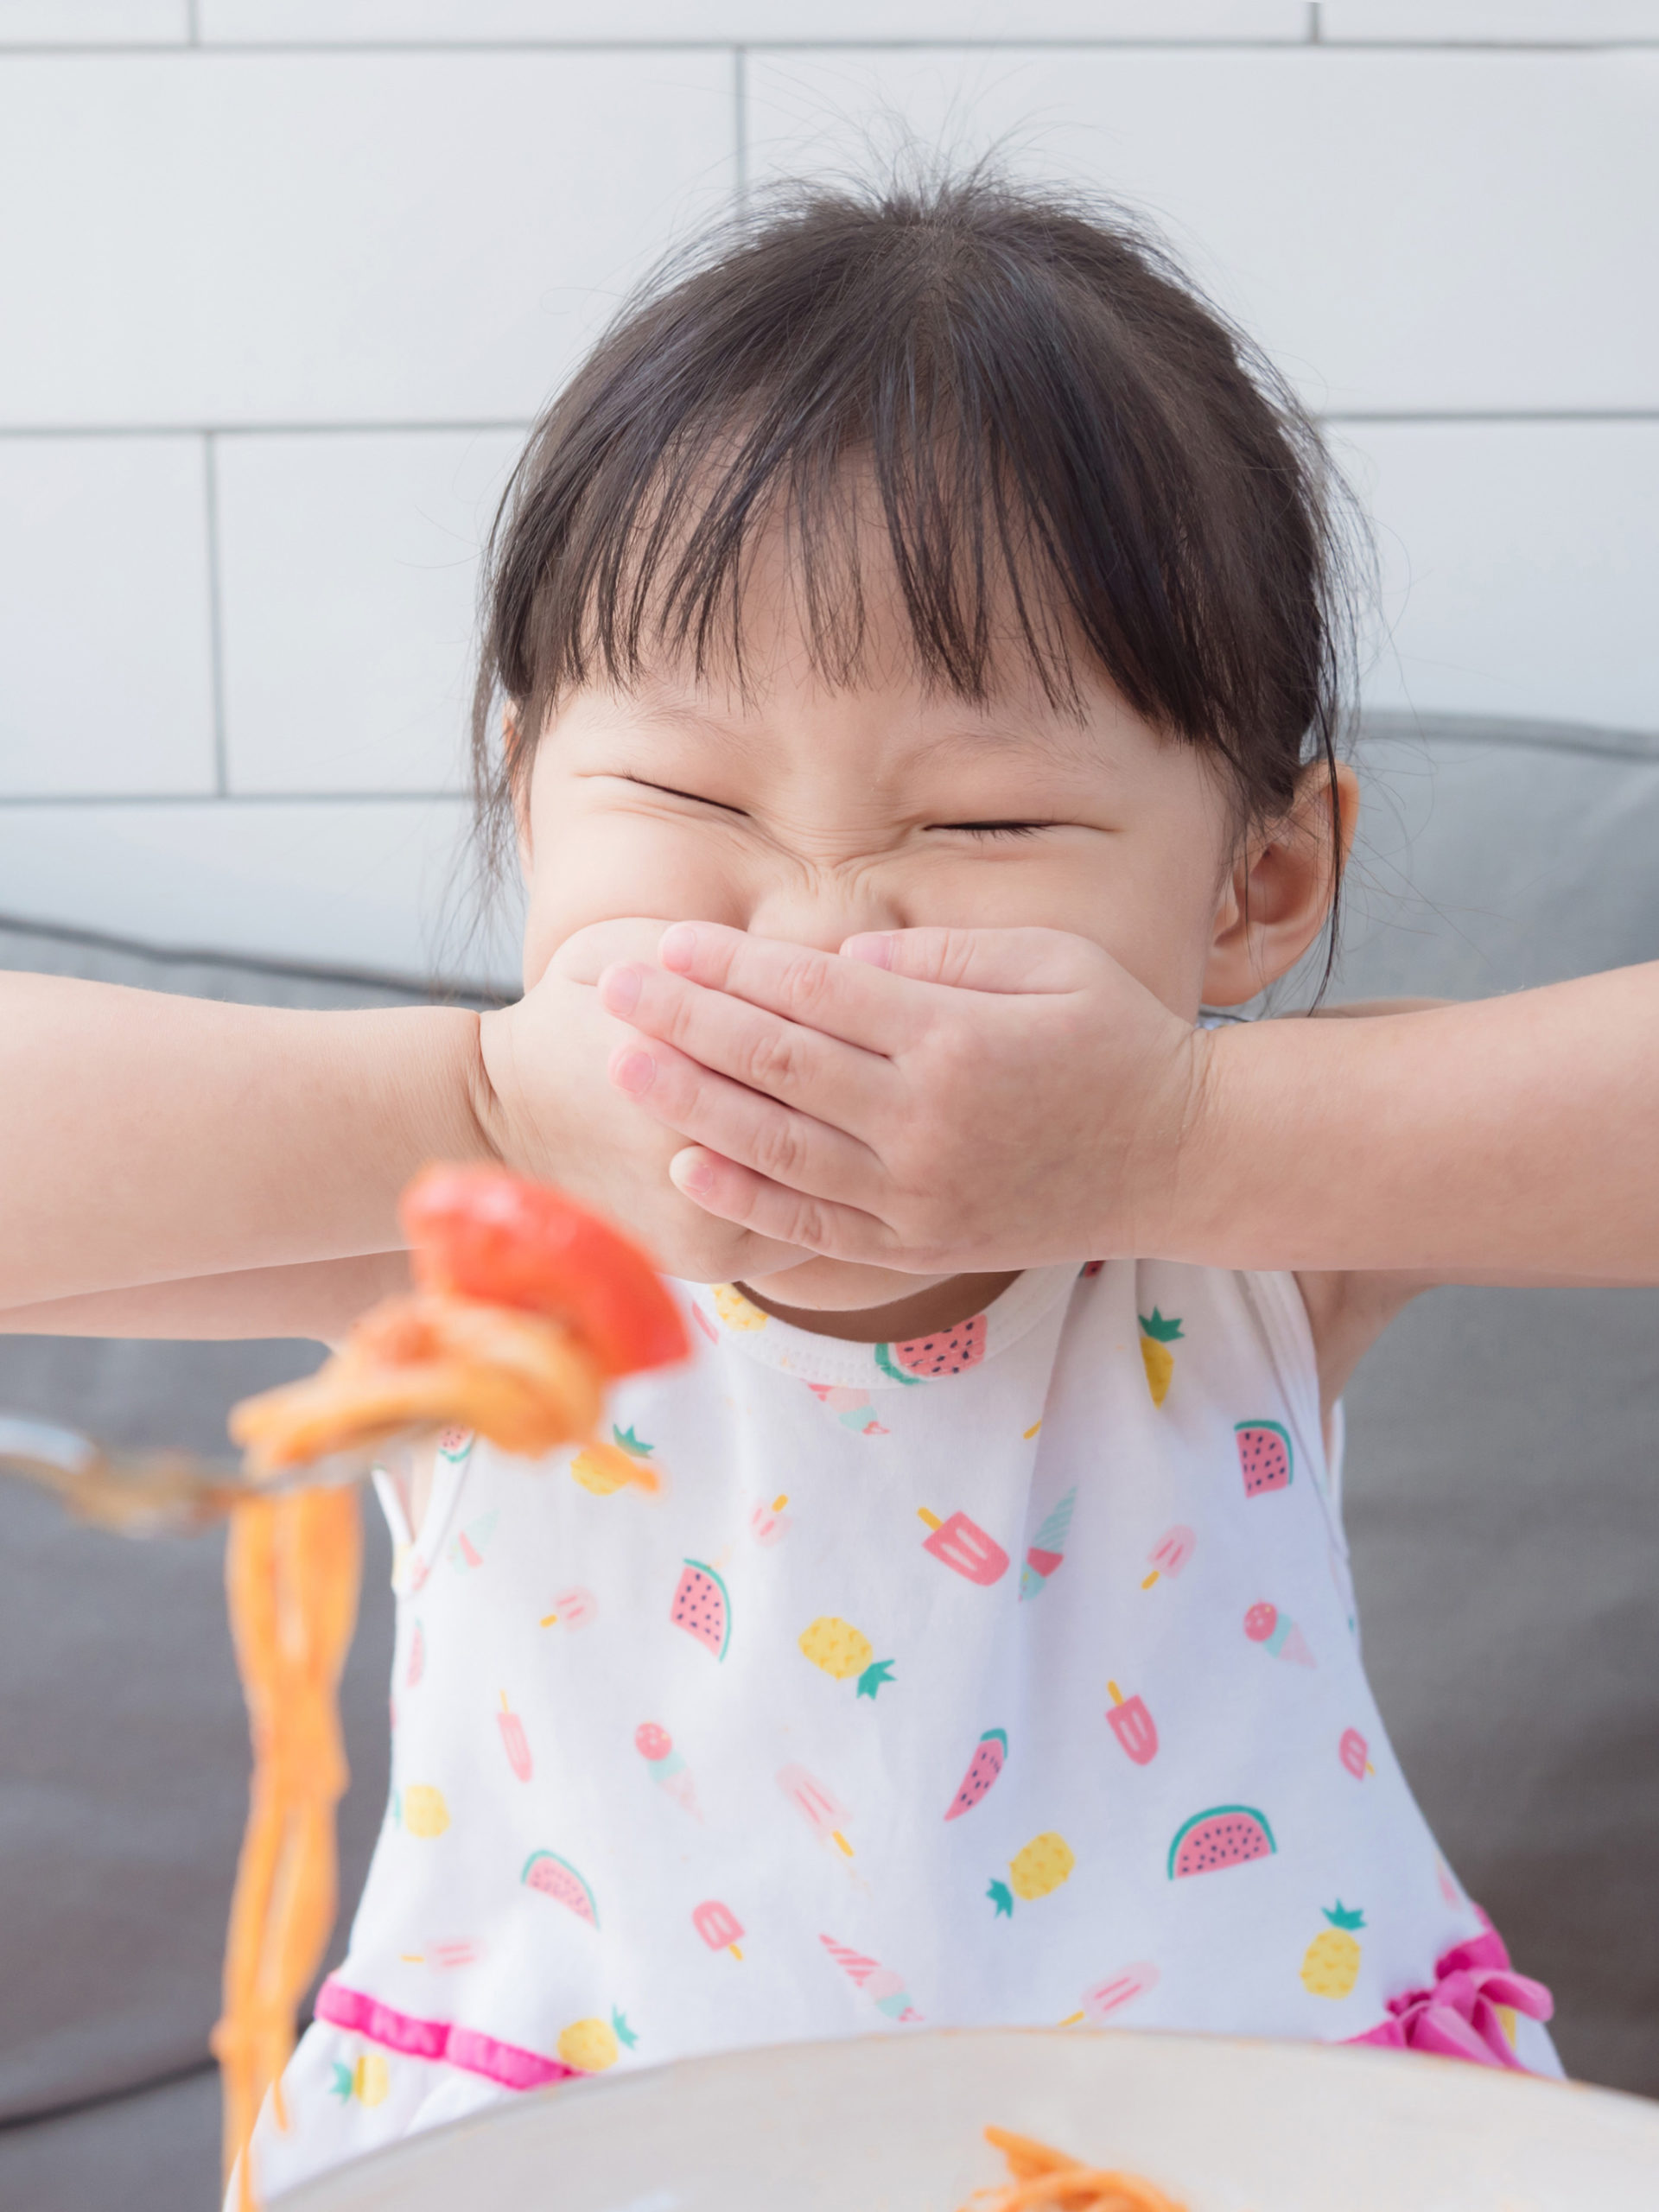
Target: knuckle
{"points": [[807, 982], [771, 1061], [778, 1150]]}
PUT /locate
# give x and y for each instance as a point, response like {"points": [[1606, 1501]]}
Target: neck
{"points": [[920, 1313]]}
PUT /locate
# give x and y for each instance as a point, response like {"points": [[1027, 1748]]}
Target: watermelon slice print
{"points": [[1264, 1456], [558, 1878], [1227, 1835], [702, 1608], [982, 1771], [951, 1352]]}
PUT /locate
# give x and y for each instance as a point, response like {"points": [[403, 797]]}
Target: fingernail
{"points": [[635, 1071], [679, 946], [692, 1171], [876, 950], [620, 990]]}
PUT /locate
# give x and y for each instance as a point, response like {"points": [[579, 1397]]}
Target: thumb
{"points": [[977, 960]]}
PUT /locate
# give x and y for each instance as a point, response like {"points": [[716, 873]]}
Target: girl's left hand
{"points": [[931, 1100]]}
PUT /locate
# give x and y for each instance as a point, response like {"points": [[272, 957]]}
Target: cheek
{"points": [[598, 868]]}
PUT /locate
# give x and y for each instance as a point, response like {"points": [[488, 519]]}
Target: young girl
{"points": [[986, 1651]]}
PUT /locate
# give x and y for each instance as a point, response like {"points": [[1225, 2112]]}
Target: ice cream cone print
{"points": [[666, 1768], [852, 1409], [1047, 1551], [885, 1989], [1277, 1633], [1133, 1725], [514, 1740], [719, 1927], [962, 1545], [1169, 1553]]}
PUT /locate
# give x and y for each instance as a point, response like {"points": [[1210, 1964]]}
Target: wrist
{"points": [[440, 1103]]}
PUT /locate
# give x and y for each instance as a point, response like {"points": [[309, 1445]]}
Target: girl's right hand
{"points": [[547, 1108]]}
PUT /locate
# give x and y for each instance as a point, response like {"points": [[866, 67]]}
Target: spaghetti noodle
{"points": [[526, 1306], [1039, 2177]]}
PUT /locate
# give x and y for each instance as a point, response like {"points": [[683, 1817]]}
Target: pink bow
{"points": [[1458, 2018]]}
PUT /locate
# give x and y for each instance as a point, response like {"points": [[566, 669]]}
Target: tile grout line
{"points": [[1283, 44], [740, 121], [1315, 24], [218, 798], [193, 20], [215, 622]]}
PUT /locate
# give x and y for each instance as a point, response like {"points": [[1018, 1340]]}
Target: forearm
{"points": [[1514, 1139], [145, 1137], [316, 1299]]}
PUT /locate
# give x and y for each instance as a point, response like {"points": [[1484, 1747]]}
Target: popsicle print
{"points": [[962, 1544], [719, 1926], [1169, 1553], [514, 1740], [770, 1524], [1356, 1754], [820, 1807], [1113, 1994], [1132, 1724]]}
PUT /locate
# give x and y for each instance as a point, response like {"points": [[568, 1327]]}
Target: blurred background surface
{"points": [[284, 281]]}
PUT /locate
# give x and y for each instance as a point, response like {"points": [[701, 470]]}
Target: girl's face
{"points": [[808, 812]]}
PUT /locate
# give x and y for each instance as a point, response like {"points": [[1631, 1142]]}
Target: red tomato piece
{"points": [[481, 1232]]}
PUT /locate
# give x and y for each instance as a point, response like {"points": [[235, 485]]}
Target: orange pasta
{"points": [[528, 1305], [1039, 2176], [292, 1571]]}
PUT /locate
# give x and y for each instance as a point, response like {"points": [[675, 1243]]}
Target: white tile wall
{"points": [[761, 22], [105, 629], [95, 22], [377, 883], [1505, 22], [1519, 563], [279, 238], [347, 570], [1404, 231], [326, 255]]}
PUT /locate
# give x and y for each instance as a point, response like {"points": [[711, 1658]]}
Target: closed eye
{"points": [[696, 799], [993, 829]]}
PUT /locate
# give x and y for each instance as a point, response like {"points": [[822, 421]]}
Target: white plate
{"points": [[893, 2125]]}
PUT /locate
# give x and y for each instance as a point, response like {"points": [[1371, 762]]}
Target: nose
{"points": [[822, 912]]}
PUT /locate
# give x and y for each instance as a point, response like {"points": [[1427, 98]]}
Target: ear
{"points": [[1280, 888]]}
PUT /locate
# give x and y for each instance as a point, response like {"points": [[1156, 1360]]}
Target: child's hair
{"points": [[1069, 450]]}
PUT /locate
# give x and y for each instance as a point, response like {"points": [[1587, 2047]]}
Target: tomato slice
{"points": [[482, 1232]]}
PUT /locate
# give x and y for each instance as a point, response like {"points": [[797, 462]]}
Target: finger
{"points": [[837, 1083], [732, 1192], [844, 999], [977, 960], [776, 1142]]}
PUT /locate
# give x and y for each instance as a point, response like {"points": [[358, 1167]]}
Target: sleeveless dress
{"points": [[1011, 1675]]}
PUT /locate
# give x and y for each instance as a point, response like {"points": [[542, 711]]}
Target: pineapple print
{"points": [[841, 1649], [734, 1310], [592, 2045], [1046, 1862], [1156, 1337], [368, 2080], [423, 1810], [1331, 1962], [606, 1468]]}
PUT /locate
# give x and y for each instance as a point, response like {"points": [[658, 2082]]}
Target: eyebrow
{"points": [[1071, 748]]}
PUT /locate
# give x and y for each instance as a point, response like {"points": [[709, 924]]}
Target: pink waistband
{"points": [[1459, 2017], [441, 2040]]}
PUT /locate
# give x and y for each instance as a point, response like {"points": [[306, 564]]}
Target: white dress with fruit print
{"points": [[1007, 1675]]}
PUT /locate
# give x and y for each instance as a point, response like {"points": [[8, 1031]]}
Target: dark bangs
{"points": [[1061, 449]]}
